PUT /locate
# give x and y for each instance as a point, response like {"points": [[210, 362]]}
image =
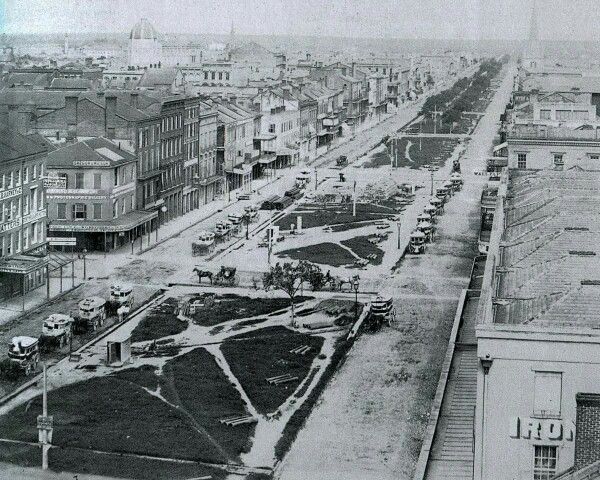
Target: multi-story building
{"points": [[556, 148], [538, 319], [94, 196], [378, 92], [171, 158], [147, 149], [237, 160], [23, 260], [191, 150], [209, 181], [280, 111]]}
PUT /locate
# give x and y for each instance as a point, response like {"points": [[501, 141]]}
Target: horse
{"points": [[348, 280], [202, 274]]}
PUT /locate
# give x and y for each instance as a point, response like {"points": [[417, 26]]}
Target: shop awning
{"points": [[121, 224], [267, 160], [282, 152], [22, 264]]}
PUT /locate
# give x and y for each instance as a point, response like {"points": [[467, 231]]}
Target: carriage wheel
{"points": [[393, 319], [236, 281]]}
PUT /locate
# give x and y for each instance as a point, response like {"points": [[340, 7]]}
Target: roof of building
{"points": [[550, 262], [70, 83], [143, 30], [561, 83], [229, 112], [158, 77], [92, 150], [14, 145]]}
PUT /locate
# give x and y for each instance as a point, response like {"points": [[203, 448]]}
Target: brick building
{"points": [[23, 259], [95, 199]]}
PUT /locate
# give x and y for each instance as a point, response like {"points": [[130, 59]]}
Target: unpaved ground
{"points": [[370, 422]]}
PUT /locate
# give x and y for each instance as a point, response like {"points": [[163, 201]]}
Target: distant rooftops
{"points": [[549, 267]]}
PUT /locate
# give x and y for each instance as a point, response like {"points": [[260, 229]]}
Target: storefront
{"points": [[22, 273], [106, 235]]}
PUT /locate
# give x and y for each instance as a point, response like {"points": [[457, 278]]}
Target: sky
{"points": [[441, 19]]}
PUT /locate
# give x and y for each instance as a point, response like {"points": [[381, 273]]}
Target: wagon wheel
{"points": [[236, 281]]}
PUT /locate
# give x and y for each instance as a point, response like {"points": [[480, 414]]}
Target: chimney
{"points": [[353, 68], [110, 113], [134, 97], [587, 430], [23, 121]]}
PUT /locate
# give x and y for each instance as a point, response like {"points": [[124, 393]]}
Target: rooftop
{"points": [[548, 271], [14, 146], [92, 153]]}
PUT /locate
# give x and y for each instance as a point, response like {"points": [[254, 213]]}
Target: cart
{"points": [[24, 351], [226, 277]]}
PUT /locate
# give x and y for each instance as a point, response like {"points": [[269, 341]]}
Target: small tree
{"points": [[288, 278]]}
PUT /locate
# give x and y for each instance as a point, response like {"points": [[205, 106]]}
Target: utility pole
{"points": [[432, 182], [399, 225], [354, 201], [44, 423], [435, 119]]}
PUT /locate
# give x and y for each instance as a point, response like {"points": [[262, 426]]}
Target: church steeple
{"points": [[533, 51], [533, 28]]}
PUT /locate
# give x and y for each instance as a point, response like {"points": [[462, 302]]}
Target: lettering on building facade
{"points": [[542, 429]]}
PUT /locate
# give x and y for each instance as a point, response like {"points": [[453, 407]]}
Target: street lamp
{"points": [[163, 209], [355, 286], [247, 222]]}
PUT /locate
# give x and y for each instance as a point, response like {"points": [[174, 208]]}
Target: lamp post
{"points": [[247, 222], [163, 209], [355, 286], [44, 423], [84, 252]]}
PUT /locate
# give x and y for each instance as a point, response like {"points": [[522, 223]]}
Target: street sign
{"points": [[45, 423], [62, 241]]}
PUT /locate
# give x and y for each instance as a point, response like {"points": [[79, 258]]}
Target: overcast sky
{"points": [[558, 19]]}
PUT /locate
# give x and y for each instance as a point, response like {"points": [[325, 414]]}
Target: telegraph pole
{"points": [[44, 423]]}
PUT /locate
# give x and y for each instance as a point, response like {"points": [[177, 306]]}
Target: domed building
{"points": [[145, 49]]}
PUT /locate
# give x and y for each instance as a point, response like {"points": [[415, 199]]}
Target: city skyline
{"points": [[430, 19]]}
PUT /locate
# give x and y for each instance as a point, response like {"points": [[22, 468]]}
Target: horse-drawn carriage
{"points": [[342, 161], [457, 181], [416, 243], [226, 277], [382, 310], [338, 283], [205, 244]]}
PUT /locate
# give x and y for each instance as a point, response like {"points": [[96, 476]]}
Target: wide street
{"points": [[379, 400]]}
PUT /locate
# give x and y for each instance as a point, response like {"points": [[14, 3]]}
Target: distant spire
{"points": [[533, 28]]}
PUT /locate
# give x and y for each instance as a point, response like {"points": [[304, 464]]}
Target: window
{"points": [[545, 115], [116, 177], [9, 250], [564, 115], [122, 205], [79, 211], [115, 209], [61, 211], [97, 211], [79, 180], [558, 160], [272, 128], [547, 394], [26, 175], [544, 462], [521, 160], [97, 181]]}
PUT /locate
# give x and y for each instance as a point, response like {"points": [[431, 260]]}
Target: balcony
{"points": [[331, 121]]}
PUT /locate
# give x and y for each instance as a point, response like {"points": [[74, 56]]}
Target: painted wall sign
{"points": [[542, 429], [13, 192], [91, 163]]}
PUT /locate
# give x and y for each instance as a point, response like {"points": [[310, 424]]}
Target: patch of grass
{"points": [[117, 466], [323, 253], [299, 417], [248, 323], [235, 307], [197, 385], [350, 226], [144, 376], [112, 415], [261, 354], [363, 248], [320, 215], [159, 322]]}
